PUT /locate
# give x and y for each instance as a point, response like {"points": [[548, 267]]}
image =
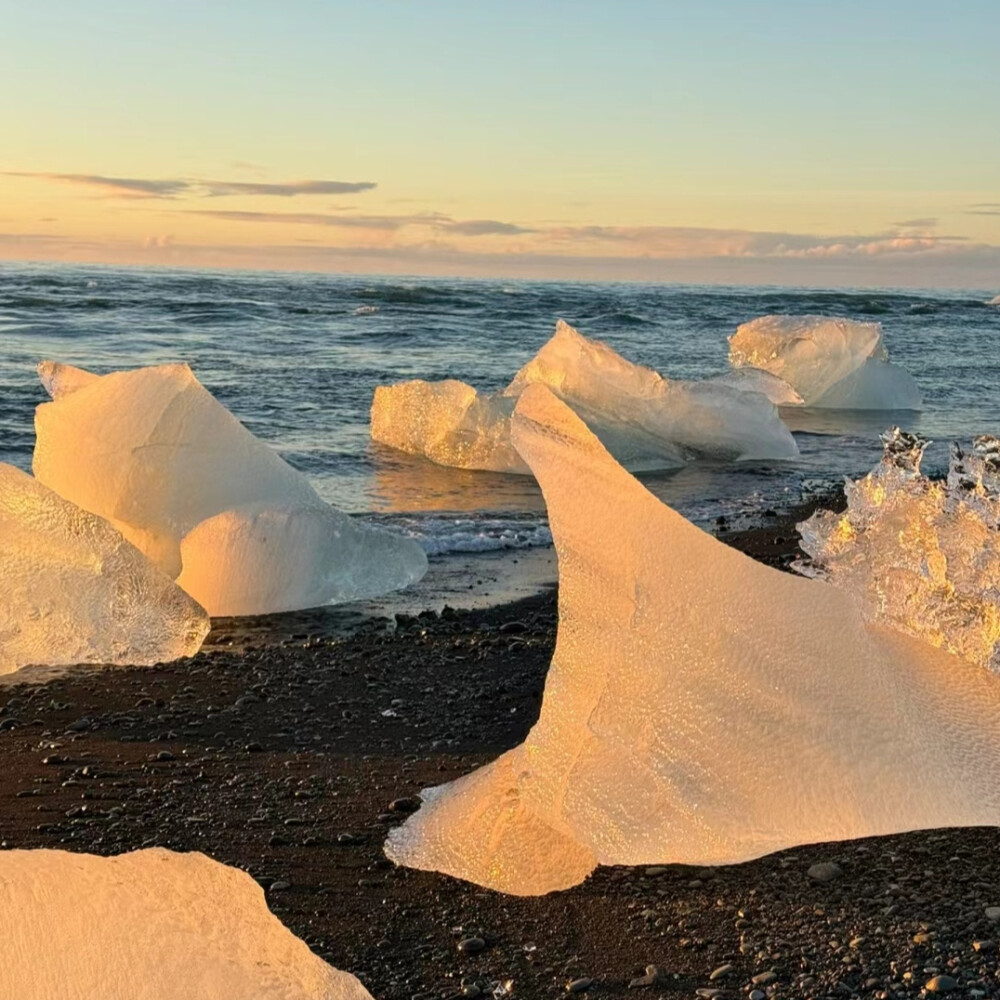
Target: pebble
{"points": [[941, 984], [824, 871], [653, 977], [722, 970], [757, 995], [580, 985], [764, 978], [992, 912], [407, 804], [280, 885], [471, 945]]}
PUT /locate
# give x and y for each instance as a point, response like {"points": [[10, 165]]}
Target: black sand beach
{"points": [[292, 762]]}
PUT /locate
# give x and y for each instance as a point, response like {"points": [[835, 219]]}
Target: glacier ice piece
{"points": [[150, 925], [748, 379], [919, 555], [646, 421], [75, 591], [280, 558], [449, 422], [701, 708], [832, 363], [153, 452]]}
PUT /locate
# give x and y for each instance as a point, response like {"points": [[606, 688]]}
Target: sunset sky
{"points": [[784, 141]]}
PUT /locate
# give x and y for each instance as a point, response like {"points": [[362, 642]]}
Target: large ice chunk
{"points": [[75, 591], [832, 363], [919, 555], [153, 452], [151, 925], [701, 707], [644, 419]]}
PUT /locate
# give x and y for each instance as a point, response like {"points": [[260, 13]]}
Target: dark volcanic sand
{"points": [[284, 761]]}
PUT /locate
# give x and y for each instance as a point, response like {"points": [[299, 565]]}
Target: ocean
{"points": [[297, 356]]}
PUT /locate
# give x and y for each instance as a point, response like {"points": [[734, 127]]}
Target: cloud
{"points": [[380, 222], [487, 227], [984, 208], [957, 265], [389, 223], [135, 187], [924, 223]]}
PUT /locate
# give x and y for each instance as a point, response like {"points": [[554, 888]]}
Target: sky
{"points": [[735, 141]]}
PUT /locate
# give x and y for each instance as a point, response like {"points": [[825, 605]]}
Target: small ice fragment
{"points": [[75, 591], [702, 708], [918, 555], [153, 452], [150, 925], [832, 363]]}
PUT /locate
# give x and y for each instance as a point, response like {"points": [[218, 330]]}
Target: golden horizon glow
{"points": [[455, 141]]}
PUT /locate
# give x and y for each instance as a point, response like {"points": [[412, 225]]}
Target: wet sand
{"points": [[292, 760]]}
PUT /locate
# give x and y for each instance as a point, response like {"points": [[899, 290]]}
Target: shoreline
{"points": [[292, 760]]}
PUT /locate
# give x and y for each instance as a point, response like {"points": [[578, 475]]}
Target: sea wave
{"points": [[440, 534]]}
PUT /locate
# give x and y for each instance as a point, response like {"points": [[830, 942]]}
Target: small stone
{"points": [[992, 912], [757, 995], [764, 978], [652, 977], [710, 994], [983, 946], [656, 870], [406, 804], [471, 990], [580, 985], [471, 945], [824, 871], [722, 970], [165, 755], [941, 984], [280, 885]]}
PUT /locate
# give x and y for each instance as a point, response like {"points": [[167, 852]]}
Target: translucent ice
{"points": [[153, 452], [832, 363], [919, 555], [701, 707], [448, 422], [75, 591], [151, 925], [645, 420]]}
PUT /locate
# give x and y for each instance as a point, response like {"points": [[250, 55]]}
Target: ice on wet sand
{"points": [[920, 555], [701, 707], [831, 363], [151, 925], [645, 420], [153, 452], [75, 591]]}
